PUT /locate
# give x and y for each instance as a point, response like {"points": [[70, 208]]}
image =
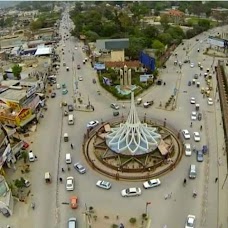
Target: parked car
{"points": [[74, 202], [151, 183], [186, 134], [70, 184], [25, 145], [80, 78], [78, 67], [92, 124], [103, 184], [114, 106], [196, 136], [187, 148], [190, 223], [199, 156], [196, 76], [27, 183], [80, 168], [131, 192]]}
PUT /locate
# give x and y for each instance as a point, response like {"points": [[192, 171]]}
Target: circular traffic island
{"points": [[142, 150]]}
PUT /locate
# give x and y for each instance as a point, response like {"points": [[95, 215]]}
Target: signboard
{"points": [[99, 66], [23, 115], [145, 77], [215, 41], [13, 105], [31, 91], [147, 60]]}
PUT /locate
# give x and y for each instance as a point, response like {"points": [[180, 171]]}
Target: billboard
{"points": [[147, 60], [215, 41]]}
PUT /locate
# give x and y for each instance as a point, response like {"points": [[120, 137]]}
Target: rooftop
{"points": [[129, 64], [174, 12], [13, 94], [43, 51]]}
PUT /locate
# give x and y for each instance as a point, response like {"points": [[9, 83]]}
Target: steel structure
{"points": [[133, 137]]}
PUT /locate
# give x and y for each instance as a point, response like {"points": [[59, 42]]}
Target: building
{"points": [[111, 50], [6, 198], [219, 13], [19, 105], [175, 16]]}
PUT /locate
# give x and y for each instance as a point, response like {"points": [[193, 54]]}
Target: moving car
{"points": [[187, 148], [80, 78], [196, 76], [70, 184], [103, 184], [151, 183], [131, 192], [92, 124], [80, 168], [64, 91], [53, 95], [193, 100], [190, 223], [70, 108], [74, 202], [186, 134], [192, 65], [196, 136], [193, 115], [114, 106], [78, 67], [199, 156], [210, 101]]}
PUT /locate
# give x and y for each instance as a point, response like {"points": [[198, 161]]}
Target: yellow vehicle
{"points": [[208, 82], [202, 90], [208, 93]]}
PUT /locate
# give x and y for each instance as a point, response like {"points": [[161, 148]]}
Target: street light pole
{"points": [[224, 180]]}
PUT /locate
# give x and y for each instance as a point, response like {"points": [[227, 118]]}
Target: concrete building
{"points": [[112, 50], [6, 198], [175, 16]]}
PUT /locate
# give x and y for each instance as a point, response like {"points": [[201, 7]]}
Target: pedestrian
{"points": [[216, 179]]}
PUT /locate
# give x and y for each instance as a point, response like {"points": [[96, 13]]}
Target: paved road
{"points": [[51, 149]]}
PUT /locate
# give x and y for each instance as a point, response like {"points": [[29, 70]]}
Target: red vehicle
{"points": [[25, 145], [74, 202]]}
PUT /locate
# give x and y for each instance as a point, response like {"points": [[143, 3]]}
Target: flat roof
{"points": [[43, 51], [9, 82], [13, 94]]}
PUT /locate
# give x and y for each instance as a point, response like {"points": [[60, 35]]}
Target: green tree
{"points": [[159, 46], [164, 22], [204, 23], [16, 69], [150, 31], [20, 183], [165, 38]]}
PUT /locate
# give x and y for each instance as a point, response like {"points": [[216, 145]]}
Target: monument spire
{"points": [[133, 137]]}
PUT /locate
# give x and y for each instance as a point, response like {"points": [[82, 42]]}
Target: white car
{"points": [[196, 136], [151, 183], [186, 134], [92, 124], [131, 192], [76, 48], [193, 100], [70, 184], [80, 78], [194, 115], [190, 223], [80, 168], [103, 184], [187, 148], [192, 65], [210, 101]]}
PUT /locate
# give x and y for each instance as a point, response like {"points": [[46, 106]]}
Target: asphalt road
{"points": [[51, 150]]}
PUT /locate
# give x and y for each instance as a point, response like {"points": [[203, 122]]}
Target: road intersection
{"points": [[51, 149]]}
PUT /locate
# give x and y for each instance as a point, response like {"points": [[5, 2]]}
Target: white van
{"points": [[72, 223], [68, 159], [192, 172], [31, 157], [71, 119]]}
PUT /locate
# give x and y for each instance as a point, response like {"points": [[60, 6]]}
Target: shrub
{"points": [[114, 226], [132, 220]]}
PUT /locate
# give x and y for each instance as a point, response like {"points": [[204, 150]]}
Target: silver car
{"points": [[80, 168], [103, 184]]}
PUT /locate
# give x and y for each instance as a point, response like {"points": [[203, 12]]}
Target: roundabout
{"points": [[131, 148]]}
